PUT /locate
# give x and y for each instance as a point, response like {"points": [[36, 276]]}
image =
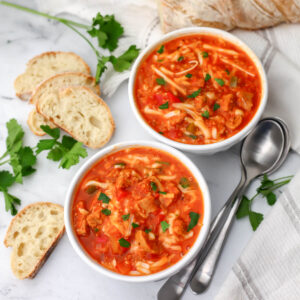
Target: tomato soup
{"points": [[137, 211], [198, 89]]}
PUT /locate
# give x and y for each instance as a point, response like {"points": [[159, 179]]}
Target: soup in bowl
{"points": [[138, 212], [198, 89]]}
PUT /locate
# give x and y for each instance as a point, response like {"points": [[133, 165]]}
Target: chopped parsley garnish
{"points": [[207, 77], [120, 164], [106, 211], [147, 230], [153, 186], [163, 162], [125, 217], [194, 94], [134, 225], [160, 81], [160, 132], [220, 81], [194, 220], [216, 106], [104, 198], [192, 136], [184, 182], [204, 54], [164, 226], [161, 49], [123, 243], [188, 75], [91, 189], [163, 193], [164, 106], [205, 114], [227, 71], [160, 60], [96, 229], [180, 58]]}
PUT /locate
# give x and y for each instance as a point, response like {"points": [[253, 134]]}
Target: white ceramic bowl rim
{"points": [[225, 144], [166, 272]]}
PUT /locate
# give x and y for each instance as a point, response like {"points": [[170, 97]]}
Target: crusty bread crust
{"points": [[38, 91], [74, 134], [47, 251], [25, 95], [32, 120]]}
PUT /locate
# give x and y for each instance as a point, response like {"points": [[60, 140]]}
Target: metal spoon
{"points": [[263, 151]]}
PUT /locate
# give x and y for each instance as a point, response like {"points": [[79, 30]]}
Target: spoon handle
{"points": [[202, 278], [176, 285]]}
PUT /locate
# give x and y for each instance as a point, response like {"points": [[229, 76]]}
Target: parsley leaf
{"points": [[45, 145], [107, 31], [68, 142], [123, 243], [161, 49], [160, 81], [184, 182], [227, 71], [124, 61], [164, 106], [6, 180], [207, 77], [216, 106], [72, 157], [204, 54], [147, 230], [194, 94], [53, 132], [55, 154], [244, 208], [194, 220], [104, 198], [153, 186], [125, 217], [164, 226], [205, 114], [163, 193], [180, 58], [271, 198], [134, 225], [220, 81], [106, 211], [14, 139], [255, 219], [188, 75], [10, 202]]}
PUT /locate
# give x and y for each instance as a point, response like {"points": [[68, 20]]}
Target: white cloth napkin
{"points": [[141, 22], [269, 267]]}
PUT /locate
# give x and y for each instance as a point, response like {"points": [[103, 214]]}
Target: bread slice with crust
{"points": [[51, 87], [44, 66], [35, 120], [33, 234], [81, 113]]}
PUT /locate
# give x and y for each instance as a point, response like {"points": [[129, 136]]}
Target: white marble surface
{"points": [[65, 276]]}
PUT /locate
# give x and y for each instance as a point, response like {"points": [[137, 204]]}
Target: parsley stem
{"points": [[33, 11], [4, 154], [4, 162]]}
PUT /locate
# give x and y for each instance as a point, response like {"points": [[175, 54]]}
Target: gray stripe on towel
{"points": [[292, 209], [247, 283], [269, 58]]}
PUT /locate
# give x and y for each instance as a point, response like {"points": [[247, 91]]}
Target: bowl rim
{"points": [[206, 148], [166, 272]]}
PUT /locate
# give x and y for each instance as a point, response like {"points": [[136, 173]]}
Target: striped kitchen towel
{"points": [[269, 267]]}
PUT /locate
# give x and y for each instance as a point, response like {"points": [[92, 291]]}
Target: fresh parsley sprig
{"points": [[266, 190], [23, 158], [105, 29]]}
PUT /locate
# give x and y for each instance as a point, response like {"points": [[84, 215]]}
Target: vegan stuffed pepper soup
{"points": [[198, 89], [138, 211]]}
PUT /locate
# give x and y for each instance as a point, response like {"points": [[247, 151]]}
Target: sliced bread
{"points": [[81, 113], [35, 120], [59, 81], [33, 233], [46, 65]]}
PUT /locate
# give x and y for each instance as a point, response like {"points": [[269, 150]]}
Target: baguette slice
{"points": [[33, 233], [35, 120], [44, 66], [81, 113], [51, 86]]}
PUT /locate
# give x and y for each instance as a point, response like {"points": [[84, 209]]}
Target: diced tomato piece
{"points": [[123, 268], [172, 98], [159, 98], [121, 194], [174, 133], [101, 239]]}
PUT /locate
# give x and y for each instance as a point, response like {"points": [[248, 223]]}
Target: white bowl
{"points": [[208, 148], [166, 272]]}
